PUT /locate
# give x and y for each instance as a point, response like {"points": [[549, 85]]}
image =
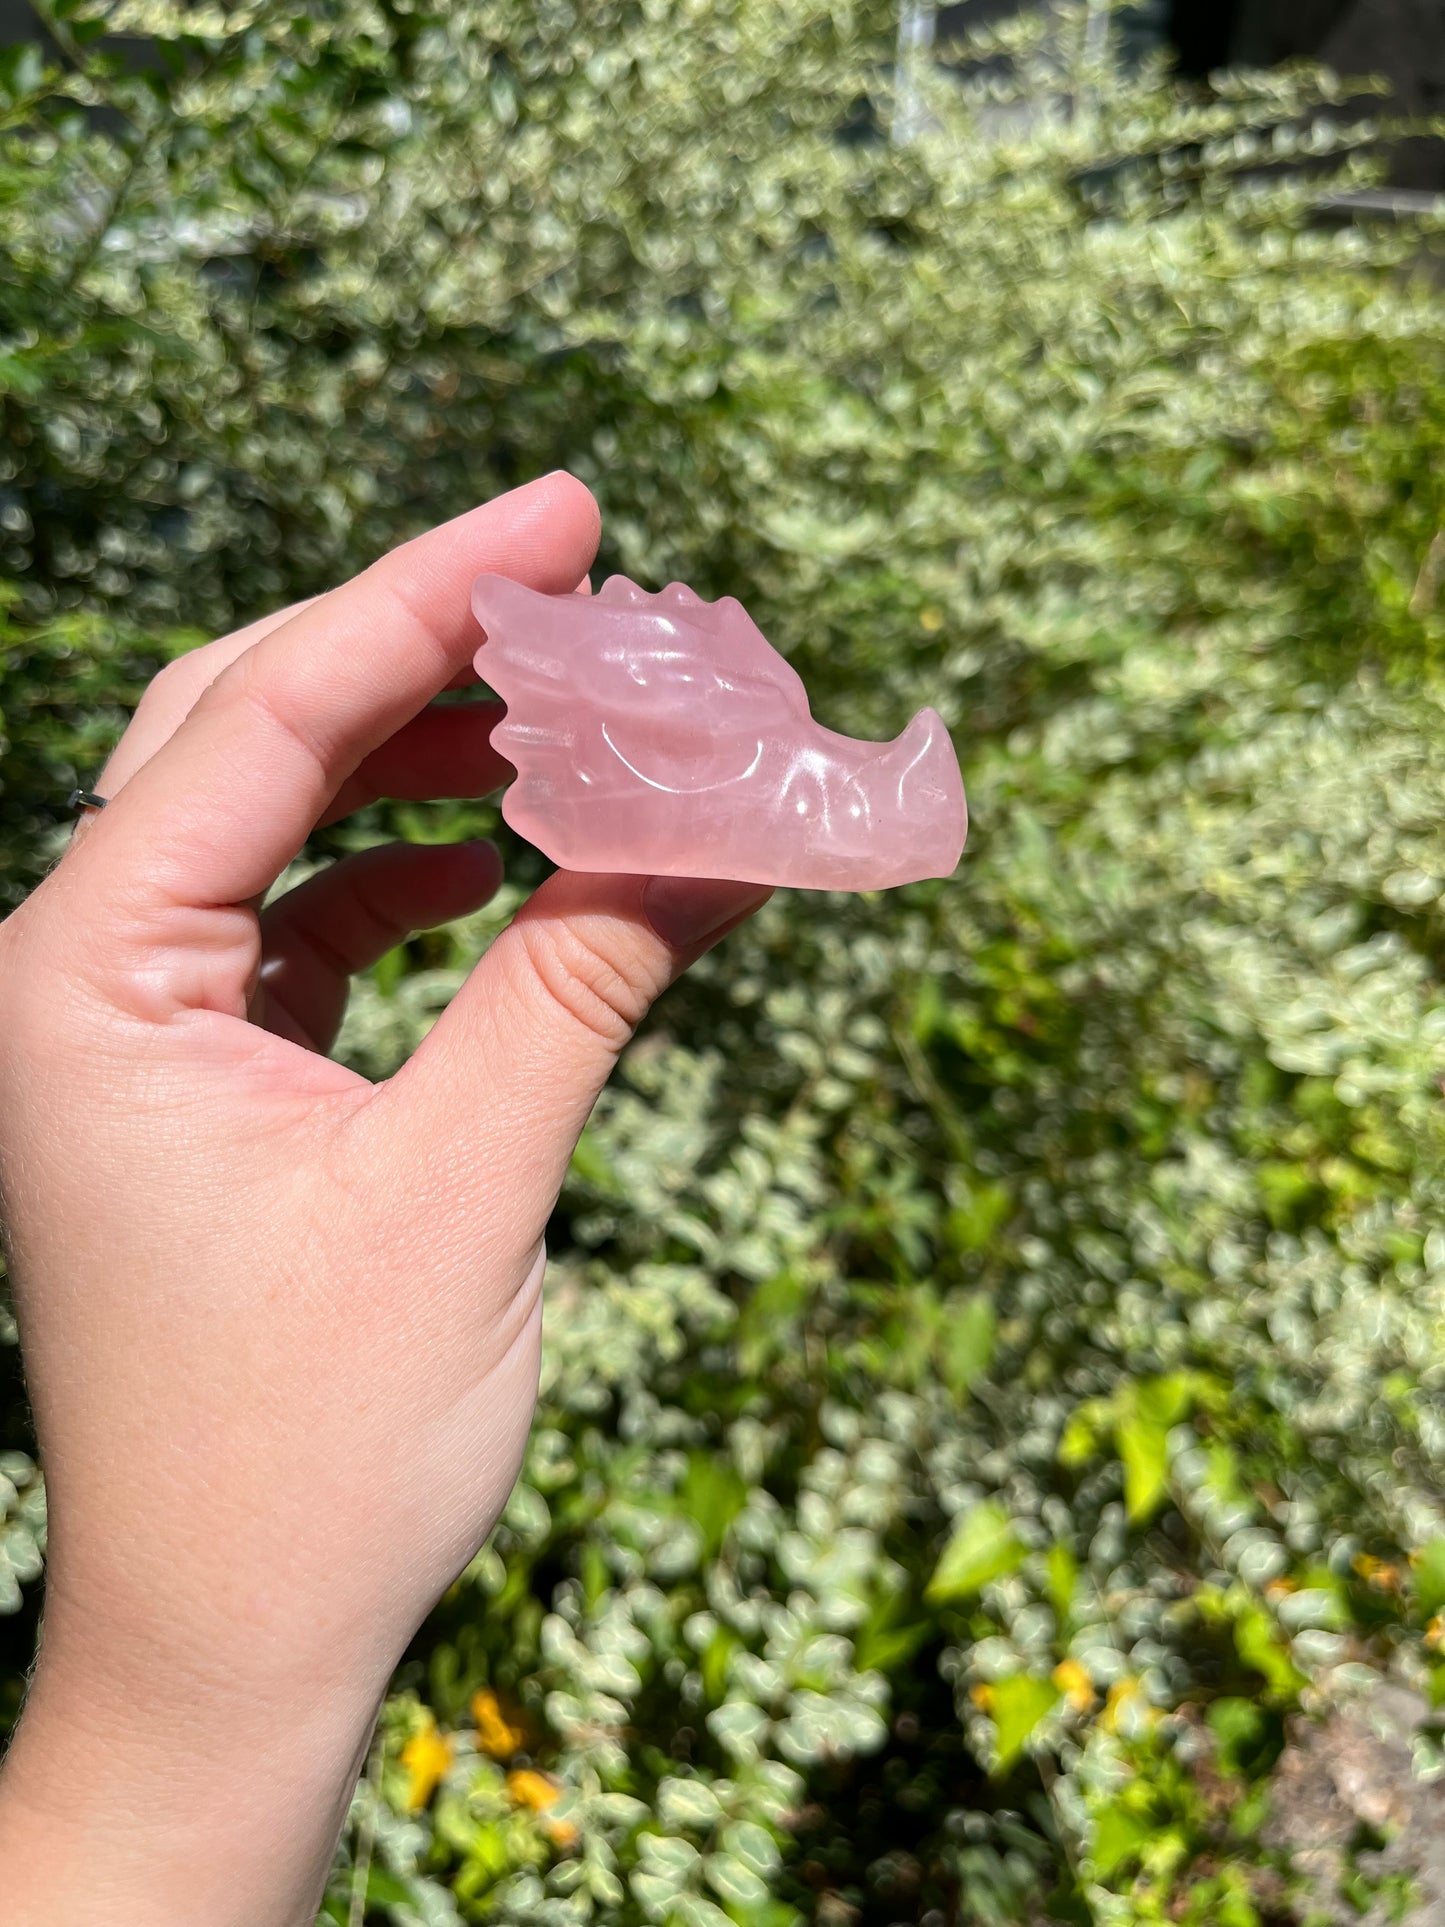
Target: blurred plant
{"points": [[995, 1338]]}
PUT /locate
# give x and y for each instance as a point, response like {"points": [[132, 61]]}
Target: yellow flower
{"points": [[1378, 1573], [930, 621], [1119, 1696], [530, 1789], [1435, 1632], [426, 1757], [1075, 1685], [496, 1735], [981, 1695]]}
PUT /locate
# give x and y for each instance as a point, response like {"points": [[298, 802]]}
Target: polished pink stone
{"points": [[663, 735]]}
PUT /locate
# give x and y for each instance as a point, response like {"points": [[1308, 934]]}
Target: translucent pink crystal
{"points": [[663, 735]]}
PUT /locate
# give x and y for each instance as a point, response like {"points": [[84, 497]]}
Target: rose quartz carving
{"points": [[663, 735]]}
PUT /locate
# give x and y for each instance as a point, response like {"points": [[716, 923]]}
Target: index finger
{"points": [[221, 808], [174, 693]]}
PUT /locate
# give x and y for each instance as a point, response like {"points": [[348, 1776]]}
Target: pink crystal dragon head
{"points": [[663, 735]]}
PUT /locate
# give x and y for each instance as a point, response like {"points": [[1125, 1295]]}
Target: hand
{"points": [[281, 1326]]}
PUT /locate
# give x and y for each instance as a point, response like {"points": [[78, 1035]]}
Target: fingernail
{"points": [[686, 911]]}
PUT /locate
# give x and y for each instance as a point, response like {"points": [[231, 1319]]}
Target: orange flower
{"points": [[530, 1789], [537, 1792], [425, 1757], [497, 1737], [1075, 1685], [981, 1695]]}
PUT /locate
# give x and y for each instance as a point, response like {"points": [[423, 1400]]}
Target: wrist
{"points": [[147, 1816]]}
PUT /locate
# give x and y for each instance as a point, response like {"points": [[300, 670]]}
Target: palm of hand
{"points": [[281, 1326]]}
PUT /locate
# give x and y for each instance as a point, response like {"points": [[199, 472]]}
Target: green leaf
{"points": [[590, 1166], [1016, 1706], [734, 1881], [385, 1889], [667, 1855], [973, 1225], [715, 1662], [1250, 1737], [753, 1845], [695, 1910], [1166, 1400], [1063, 1577], [1429, 1571], [1144, 1412], [684, 1804], [1257, 1646], [389, 970], [885, 1650], [1085, 1432], [1143, 1445], [767, 1323], [1120, 1835], [984, 1546], [653, 1892], [738, 1727], [712, 1494], [966, 1341], [890, 1636]]}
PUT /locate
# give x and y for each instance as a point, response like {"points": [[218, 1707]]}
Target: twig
{"points": [[366, 1839], [1427, 583]]}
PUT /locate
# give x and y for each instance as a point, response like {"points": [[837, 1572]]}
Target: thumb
{"points": [[496, 1097]]}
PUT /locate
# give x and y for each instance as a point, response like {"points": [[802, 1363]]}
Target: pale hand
{"points": [[281, 1326]]}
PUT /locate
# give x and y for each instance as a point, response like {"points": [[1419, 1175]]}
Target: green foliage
{"points": [[1017, 1705], [994, 1351], [984, 1546]]}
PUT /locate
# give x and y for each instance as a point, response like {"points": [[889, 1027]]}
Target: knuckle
{"points": [[379, 925], [172, 676], [605, 995], [173, 692], [265, 699], [175, 685]]}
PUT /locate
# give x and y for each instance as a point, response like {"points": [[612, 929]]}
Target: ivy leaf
{"points": [[653, 1892], [738, 1884]]}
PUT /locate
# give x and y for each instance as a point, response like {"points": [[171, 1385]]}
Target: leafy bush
{"points": [[996, 1331]]}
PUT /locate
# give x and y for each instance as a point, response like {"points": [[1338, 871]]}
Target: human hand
{"points": [[281, 1326]]}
